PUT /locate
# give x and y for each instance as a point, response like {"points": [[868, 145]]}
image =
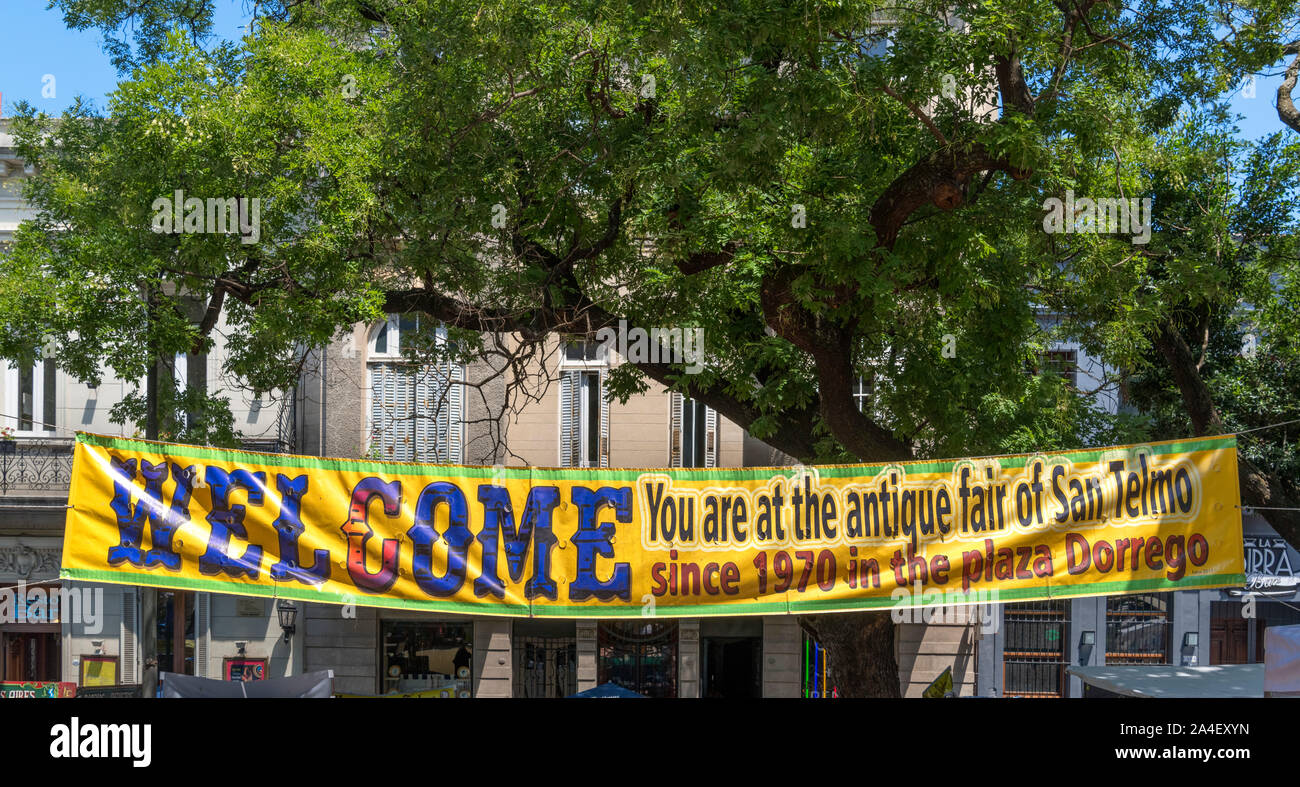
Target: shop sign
{"points": [[34, 689]]}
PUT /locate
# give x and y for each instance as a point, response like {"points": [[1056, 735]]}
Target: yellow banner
{"points": [[666, 542]]}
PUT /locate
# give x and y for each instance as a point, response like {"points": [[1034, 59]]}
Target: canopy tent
{"points": [[313, 684], [607, 691], [1282, 661], [1141, 680]]}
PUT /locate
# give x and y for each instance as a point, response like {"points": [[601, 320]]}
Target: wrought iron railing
{"points": [[35, 465], [285, 438]]}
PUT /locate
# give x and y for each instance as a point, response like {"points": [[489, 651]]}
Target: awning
{"points": [[1141, 680], [608, 691]]}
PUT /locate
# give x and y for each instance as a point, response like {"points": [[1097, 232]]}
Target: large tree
{"points": [[835, 191]]}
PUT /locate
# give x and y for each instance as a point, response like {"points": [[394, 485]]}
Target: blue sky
{"points": [[36, 44]]}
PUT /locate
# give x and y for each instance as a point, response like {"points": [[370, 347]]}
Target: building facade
{"points": [[362, 396], [90, 634]]}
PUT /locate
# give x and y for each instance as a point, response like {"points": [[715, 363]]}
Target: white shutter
{"points": [[455, 409], [675, 429], [604, 422], [128, 636], [570, 418], [426, 428], [710, 437], [402, 425], [383, 407], [202, 633], [418, 414]]}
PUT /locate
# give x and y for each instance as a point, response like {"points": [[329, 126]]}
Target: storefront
{"points": [[375, 651], [31, 648], [1240, 616], [1035, 644]]}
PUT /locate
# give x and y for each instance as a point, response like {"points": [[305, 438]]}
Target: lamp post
{"points": [[288, 612]]}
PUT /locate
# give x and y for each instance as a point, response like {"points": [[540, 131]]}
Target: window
{"points": [[694, 437], [582, 351], [584, 411], [1062, 363], [862, 389], [437, 657], [416, 409], [30, 398], [1137, 628], [1033, 656], [584, 420]]}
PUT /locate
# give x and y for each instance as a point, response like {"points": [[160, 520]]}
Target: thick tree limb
{"points": [[1286, 109], [1258, 486]]}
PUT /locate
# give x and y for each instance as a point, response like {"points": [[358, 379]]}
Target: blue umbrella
{"points": [[608, 691]]}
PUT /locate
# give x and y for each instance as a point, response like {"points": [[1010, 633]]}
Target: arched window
{"points": [[416, 411]]}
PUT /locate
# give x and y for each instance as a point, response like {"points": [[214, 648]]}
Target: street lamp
{"points": [[288, 612]]}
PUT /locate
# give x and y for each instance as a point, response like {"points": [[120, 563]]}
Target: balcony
{"points": [[35, 467]]}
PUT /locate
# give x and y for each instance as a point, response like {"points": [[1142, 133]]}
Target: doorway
{"points": [[545, 658], [731, 654], [640, 656], [31, 656], [733, 667], [175, 632]]}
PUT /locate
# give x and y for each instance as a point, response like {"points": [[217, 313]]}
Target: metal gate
{"points": [[545, 666], [1033, 656]]}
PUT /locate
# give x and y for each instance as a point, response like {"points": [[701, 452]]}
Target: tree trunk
{"points": [[860, 651]]}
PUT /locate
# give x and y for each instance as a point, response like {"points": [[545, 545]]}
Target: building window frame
{"points": [[584, 408], [1036, 636], [693, 433], [385, 356], [1147, 624], [584, 419], [31, 399]]}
